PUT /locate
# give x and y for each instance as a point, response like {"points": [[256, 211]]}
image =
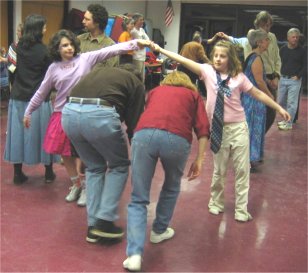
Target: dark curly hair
{"points": [[99, 15], [33, 30], [55, 41]]}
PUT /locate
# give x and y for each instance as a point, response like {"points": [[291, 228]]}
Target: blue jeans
{"points": [[288, 93], [147, 147], [97, 135]]}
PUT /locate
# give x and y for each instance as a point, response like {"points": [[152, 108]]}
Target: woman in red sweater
{"points": [[164, 132]]}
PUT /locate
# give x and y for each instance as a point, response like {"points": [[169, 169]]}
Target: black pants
{"points": [[5, 93], [270, 112]]}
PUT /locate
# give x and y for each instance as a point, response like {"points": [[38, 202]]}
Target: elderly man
{"points": [[294, 63]]}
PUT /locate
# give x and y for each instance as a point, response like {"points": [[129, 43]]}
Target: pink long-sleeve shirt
{"points": [[233, 109], [64, 75]]}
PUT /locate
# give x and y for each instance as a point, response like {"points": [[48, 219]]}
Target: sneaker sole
{"points": [[92, 241], [130, 268], [243, 220], [154, 241], [48, 181], [215, 211], [284, 129], [70, 201], [159, 240], [240, 220], [135, 269], [106, 234]]}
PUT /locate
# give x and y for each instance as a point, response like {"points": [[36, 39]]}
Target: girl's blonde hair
{"points": [[178, 78], [234, 64]]}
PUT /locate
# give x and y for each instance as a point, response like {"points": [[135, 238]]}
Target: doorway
{"points": [[52, 10]]}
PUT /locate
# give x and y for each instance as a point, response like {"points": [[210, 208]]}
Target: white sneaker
{"points": [[133, 263], [82, 200], [280, 123], [214, 210], [285, 127], [243, 218], [157, 238], [73, 194]]}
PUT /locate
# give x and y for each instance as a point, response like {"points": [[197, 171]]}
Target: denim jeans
{"points": [[288, 94], [148, 146], [97, 135]]}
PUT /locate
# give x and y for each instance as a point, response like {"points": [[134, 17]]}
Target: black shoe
{"points": [[106, 229], [20, 178], [92, 238], [50, 177], [254, 166]]}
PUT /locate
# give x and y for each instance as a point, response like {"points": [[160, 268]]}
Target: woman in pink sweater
{"points": [[63, 74]]}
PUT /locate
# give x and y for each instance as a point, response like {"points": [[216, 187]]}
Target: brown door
{"points": [[52, 10], [4, 25]]}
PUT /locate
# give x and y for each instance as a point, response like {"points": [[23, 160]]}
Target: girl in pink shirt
{"points": [[63, 74], [224, 79]]}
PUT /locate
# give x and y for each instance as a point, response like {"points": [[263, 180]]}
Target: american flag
{"points": [[169, 13]]}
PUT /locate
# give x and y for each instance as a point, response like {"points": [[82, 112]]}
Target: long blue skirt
{"points": [[26, 145], [255, 112]]}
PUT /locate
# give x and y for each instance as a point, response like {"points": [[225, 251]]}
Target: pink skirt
{"points": [[56, 141]]}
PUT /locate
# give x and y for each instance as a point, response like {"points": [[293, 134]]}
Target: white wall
{"points": [[120, 7], [113, 7], [81, 5], [154, 11]]}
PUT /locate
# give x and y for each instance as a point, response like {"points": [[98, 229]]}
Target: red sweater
{"points": [[177, 110]]}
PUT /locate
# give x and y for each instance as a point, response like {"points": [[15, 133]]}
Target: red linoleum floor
{"points": [[40, 232]]}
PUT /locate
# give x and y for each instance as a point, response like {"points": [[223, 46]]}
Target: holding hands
{"points": [[144, 43], [27, 122], [155, 47]]}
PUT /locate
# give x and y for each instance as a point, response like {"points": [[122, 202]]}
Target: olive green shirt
{"points": [[87, 43]]}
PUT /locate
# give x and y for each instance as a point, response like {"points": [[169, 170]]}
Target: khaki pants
{"points": [[140, 66], [235, 144]]}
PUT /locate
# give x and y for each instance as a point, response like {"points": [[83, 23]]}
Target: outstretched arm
{"points": [[191, 65], [260, 96], [96, 56]]}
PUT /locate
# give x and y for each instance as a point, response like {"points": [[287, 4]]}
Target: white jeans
{"points": [[235, 144]]}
